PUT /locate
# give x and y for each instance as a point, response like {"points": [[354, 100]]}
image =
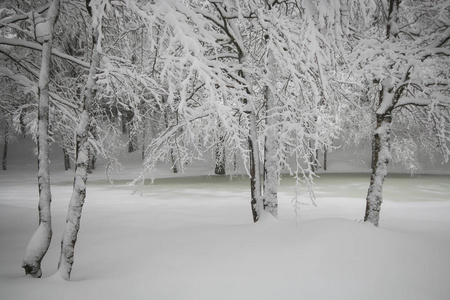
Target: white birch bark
{"points": [[81, 167], [40, 241], [271, 144]]}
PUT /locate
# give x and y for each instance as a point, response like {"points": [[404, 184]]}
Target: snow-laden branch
{"points": [[433, 51], [28, 86], [404, 101], [6, 21], [442, 39], [38, 47], [19, 61]]}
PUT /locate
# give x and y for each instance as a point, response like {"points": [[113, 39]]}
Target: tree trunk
{"points": [[380, 160], [219, 169], [144, 136], [325, 156], [220, 161], [255, 173], [93, 160], [173, 161], [82, 160], [66, 159], [271, 144], [132, 137], [40, 241], [92, 150], [77, 199], [23, 126], [271, 169], [388, 97], [256, 202], [5, 147]]}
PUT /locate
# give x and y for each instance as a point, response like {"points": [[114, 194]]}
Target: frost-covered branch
{"points": [[20, 17], [38, 47]]}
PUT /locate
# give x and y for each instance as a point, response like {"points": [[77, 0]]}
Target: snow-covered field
{"points": [[191, 236]]}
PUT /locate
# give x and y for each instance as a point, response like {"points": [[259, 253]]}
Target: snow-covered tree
{"points": [[290, 54], [96, 9], [40, 241], [266, 66], [12, 104], [121, 83], [71, 94], [403, 57]]}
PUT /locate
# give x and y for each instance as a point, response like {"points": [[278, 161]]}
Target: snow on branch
{"points": [[38, 47], [403, 101], [7, 21]]}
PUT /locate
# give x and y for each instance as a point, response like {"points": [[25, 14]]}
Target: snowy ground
{"points": [[191, 237]]}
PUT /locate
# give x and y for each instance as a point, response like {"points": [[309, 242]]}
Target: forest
{"points": [[264, 90]]}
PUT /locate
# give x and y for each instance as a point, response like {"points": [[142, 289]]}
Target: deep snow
{"points": [[191, 236]]}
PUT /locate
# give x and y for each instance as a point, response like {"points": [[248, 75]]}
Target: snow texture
{"points": [[191, 236]]}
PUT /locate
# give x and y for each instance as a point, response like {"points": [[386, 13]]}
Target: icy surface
{"points": [[192, 237]]}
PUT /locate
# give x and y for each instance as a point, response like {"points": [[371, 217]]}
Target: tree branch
{"points": [[38, 47], [21, 17]]}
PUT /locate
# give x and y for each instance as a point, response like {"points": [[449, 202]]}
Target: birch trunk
{"points": [[40, 241], [81, 168]]}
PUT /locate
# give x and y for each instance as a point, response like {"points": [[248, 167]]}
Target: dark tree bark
{"points": [[219, 168], [23, 126], [66, 159], [132, 137], [380, 161], [173, 161], [144, 134], [388, 97], [255, 186], [255, 169], [173, 158], [93, 160], [5, 147]]}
